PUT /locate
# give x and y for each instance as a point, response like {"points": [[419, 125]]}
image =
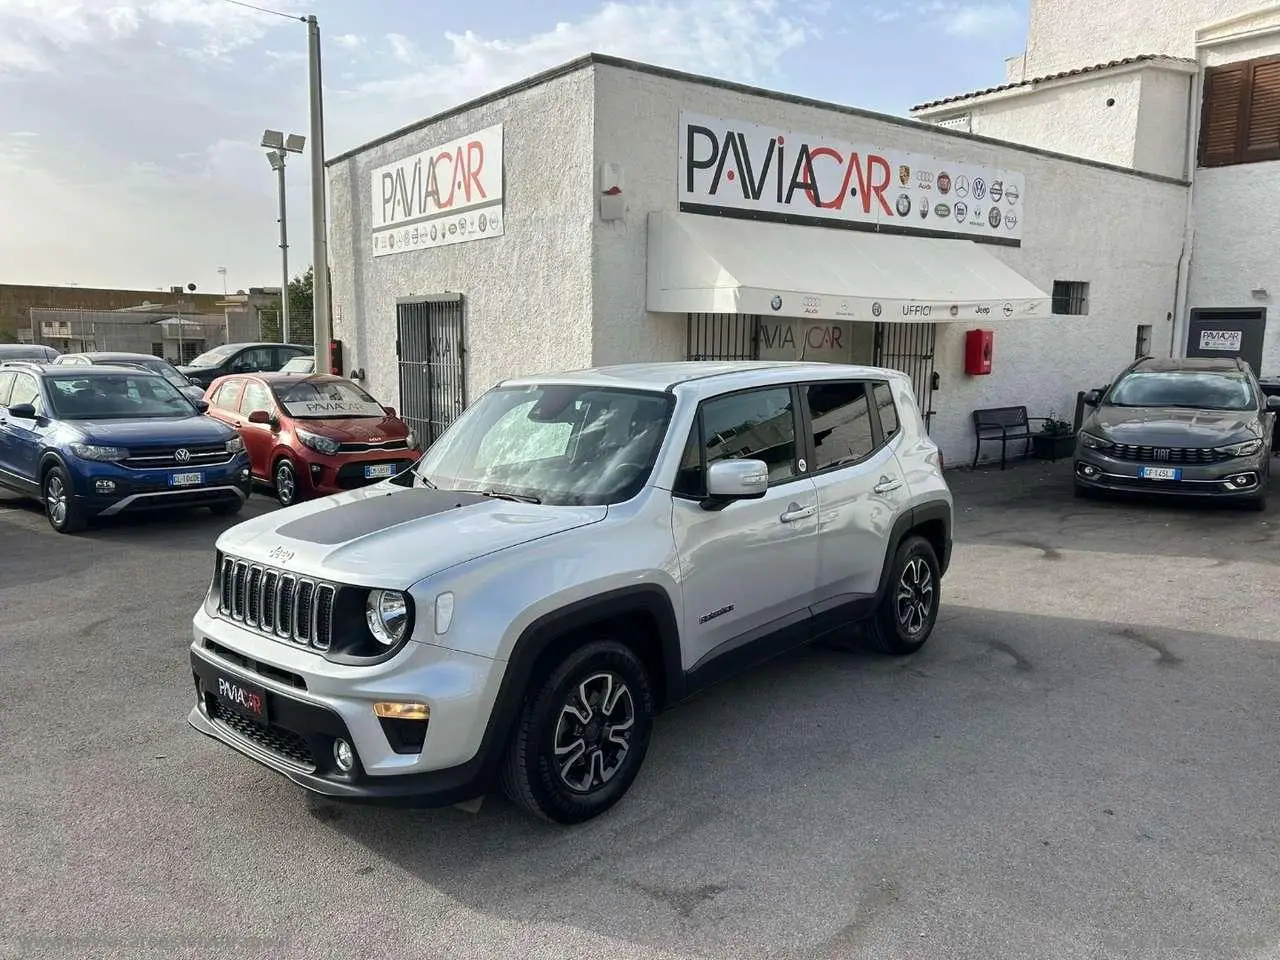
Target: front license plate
{"points": [[1160, 473], [186, 479], [379, 470], [243, 698]]}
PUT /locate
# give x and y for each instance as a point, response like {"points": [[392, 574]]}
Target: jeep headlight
{"points": [[387, 613], [235, 445], [325, 445], [91, 451], [1094, 442], [1245, 449]]}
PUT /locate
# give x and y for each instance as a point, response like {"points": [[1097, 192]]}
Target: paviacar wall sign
{"points": [[728, 166]]}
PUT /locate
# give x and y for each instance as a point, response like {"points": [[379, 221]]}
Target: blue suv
{"points": [[100, 440]]}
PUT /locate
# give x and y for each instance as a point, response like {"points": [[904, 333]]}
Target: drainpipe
{"points": [[1195, 93]]}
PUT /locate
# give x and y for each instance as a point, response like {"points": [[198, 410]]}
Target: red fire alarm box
{"points": [[977, 352], [335, 357]]}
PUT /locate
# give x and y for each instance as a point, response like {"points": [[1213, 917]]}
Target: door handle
{"points": [[796, 512], [886, 485]]}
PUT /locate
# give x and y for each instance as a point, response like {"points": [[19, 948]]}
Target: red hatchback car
{"points": [[312, 435]]}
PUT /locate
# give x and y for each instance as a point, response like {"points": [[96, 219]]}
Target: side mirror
{"points": [[1273, 403], [23, 411], [1093, 398], [201, 405], [729, 480], [260, 416], [389, 411]]}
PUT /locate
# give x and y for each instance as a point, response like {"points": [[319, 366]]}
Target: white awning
{"points": [[706, 264]]}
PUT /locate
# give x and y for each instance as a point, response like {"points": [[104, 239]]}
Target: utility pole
{"points": [[319, 219]]}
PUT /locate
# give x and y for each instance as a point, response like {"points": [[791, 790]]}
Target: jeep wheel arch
{"points": [[639, 609]]}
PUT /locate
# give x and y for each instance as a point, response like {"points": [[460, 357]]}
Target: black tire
{"points": [[284, 480], [60, 507], [909, 608], [532, 775], [228, 509]]}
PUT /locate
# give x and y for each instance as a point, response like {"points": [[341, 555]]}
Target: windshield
{"points": [[553, 443], [214, 357], [1197, 390], [123, 396], [327, 400]]}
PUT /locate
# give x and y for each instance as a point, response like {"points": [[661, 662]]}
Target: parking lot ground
{"points": [[1081, 763]]}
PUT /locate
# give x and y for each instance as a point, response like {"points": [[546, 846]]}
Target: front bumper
{"points": [[309, 703], [323, 475], [1241, 477], [134, 490]]}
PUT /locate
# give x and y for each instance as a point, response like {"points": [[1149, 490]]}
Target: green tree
{"points": [[301, 295]]}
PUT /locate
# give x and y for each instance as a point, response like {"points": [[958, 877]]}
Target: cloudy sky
{"points": [[129, 129]]}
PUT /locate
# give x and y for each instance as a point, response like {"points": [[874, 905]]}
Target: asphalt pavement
{"points": [[1080, 764]]}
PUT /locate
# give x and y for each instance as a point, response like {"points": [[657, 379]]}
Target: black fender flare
{"points": [[534, 640], [902, 527]]}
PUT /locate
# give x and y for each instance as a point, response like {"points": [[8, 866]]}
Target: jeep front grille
{"points": [[282, 605]]}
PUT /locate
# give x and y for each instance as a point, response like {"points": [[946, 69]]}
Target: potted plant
{"points": [[1055, 439]]}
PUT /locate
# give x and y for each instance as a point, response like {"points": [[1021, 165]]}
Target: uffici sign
{"points": [[730, 166], [447, 194]]}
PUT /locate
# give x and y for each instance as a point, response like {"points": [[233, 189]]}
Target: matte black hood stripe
{"points": [[363, 517]]}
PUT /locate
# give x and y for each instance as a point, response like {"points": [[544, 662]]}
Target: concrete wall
{"points": [[1065, 34], [527, 293], [1236, 214], [1120, 232]]}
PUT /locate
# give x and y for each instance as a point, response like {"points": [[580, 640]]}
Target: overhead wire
{"points": [[253, 6]]}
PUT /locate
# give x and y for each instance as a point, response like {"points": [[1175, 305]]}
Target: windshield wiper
{"points": [[502, 495]]}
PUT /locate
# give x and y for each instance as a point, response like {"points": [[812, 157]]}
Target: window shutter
{"points": [[1220, 124], [1262, 132]]}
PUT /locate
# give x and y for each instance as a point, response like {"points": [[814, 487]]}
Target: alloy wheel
{"points": [[915, 596], [593, 732], [55, 495], [286, 484]]}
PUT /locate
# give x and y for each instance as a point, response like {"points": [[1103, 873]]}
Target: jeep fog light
{"points": [[387, 613], [343, 755]]}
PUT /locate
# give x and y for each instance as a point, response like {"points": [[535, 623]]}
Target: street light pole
{"points": [[284, 252], [319, 224], [278, 147]]}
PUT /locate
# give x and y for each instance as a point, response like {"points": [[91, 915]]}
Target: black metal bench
{"points": [[1003, 424]]}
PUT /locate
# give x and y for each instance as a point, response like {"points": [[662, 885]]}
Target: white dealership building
{"points": [[608, 211]]}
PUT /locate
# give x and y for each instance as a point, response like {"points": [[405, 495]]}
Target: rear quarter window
{"points": [[882, 394]]}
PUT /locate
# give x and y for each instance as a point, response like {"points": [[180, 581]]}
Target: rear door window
{"points": [[840, 418]]}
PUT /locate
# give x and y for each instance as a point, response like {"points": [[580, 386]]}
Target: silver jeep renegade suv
{"points": [[574, 554]]}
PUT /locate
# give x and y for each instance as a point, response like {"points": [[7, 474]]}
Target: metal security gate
{"points": [[723, 336], [909, 348], [430, 350]]}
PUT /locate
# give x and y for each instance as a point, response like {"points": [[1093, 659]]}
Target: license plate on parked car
{"points": [[243, 698], [1160, 473], [379, 470], [186, 479]]}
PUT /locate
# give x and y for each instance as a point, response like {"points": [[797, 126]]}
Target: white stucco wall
{"points": [[1236, 213], [528, 292], [1065, 34], [1119, 231], [1143, 129], [1071, 118]]}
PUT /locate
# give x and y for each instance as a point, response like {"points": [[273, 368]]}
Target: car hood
{"points": [[389, 536], [1173, 427], [356, 429], [195, 429]]}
